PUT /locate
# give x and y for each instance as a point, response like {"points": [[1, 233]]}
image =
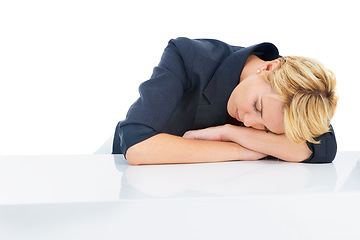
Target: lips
{"points": [[237, 115]]}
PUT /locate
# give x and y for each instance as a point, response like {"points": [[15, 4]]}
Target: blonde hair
{"points": [[307, 89]]}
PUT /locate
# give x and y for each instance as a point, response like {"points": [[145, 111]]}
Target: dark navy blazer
{"points": [[189, 89]]}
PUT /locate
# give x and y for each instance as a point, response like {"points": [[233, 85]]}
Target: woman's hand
{"points": [[210, 134]]}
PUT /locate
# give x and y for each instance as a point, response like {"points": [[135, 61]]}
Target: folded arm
{"points": [[256, 140], [166, 149]]}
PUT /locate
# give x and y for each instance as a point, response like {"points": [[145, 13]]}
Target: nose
{"points": [[251, 121], [248, 120]]}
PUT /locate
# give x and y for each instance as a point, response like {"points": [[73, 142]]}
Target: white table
{"points": [[103, 197]]}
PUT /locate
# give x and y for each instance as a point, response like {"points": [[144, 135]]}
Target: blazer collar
{"points": [[228, 74]]}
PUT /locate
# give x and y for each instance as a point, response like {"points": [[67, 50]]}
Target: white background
{"points": [[70, 69]]}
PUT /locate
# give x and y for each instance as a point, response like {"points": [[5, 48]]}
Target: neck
{"points": [[250, 67]]}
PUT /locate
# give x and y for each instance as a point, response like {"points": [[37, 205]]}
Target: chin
{"points": [[231, 113]]}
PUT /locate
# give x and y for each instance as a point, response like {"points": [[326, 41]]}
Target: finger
{"points": [[189, 135]]}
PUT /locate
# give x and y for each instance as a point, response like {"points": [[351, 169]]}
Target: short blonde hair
{"points": [[307, 89]]}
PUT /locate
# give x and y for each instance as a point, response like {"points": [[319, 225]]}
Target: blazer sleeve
{"points": [[325, 151], [158, 99]]}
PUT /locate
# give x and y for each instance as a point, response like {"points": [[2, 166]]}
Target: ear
{"points": [[269, 66]]}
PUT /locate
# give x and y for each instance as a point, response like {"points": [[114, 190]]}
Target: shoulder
{"points": [[326, 150], [209, 48]]}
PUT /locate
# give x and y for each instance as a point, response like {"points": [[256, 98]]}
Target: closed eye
{"points": [[255, 107], [260, 111]]}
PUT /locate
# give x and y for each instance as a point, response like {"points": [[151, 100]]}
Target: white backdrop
{"points": [[69, 69]]}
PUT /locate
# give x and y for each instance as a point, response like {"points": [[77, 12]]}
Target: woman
{"points": [[202, 94]]}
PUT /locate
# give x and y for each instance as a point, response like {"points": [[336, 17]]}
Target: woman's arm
{"points": [[166, 149], [257, 140]]}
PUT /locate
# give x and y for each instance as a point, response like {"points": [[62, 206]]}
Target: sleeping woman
{"points": [[208, 101]]}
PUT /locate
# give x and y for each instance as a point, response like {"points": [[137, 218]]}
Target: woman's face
{"points": [[251, 103]]}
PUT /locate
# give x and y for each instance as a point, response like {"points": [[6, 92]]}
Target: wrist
{"points": [[227, 133]]}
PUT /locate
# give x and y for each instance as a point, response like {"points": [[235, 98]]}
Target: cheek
{"points": [[242, 107], [275, 116], [242, 102], [239, 99], [280, 123], [277, 124]]}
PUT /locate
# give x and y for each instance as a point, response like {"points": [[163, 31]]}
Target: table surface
{"points": [[103, 197]]}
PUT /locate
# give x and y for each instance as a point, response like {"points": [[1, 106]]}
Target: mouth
{"points": [[237, 115]]}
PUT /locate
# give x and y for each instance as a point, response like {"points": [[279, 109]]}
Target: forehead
{"points": [[273, 113]]}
